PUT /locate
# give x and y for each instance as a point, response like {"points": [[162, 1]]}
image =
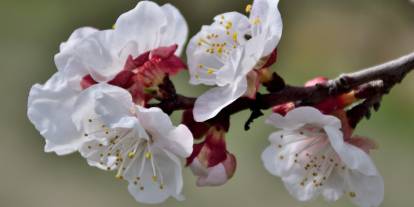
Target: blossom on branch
{"points": [[135, 55], [314, 154], [230, 53], [141, 144]]}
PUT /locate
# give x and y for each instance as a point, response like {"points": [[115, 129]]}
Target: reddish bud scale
{"points": [[198, 129], [212, 150], [230, 164], [146, 71], [331, 104], [260, 74], [283, 109], [363, 143]]}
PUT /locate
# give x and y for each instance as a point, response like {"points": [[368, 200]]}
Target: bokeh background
{"points": [[321, 37]]}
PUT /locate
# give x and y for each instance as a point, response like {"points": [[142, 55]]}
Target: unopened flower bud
{"points": [[211, 161]]}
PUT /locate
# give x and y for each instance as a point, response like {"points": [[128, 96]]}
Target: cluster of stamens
{"points": [[119, 150], [314, 156]]}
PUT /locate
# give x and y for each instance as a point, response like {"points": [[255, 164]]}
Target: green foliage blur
{"points": [[321, 37]]}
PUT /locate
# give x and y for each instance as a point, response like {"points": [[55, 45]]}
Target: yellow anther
{"points": [[131, 155], [248, 8], [257, 21], [200, 65], [113, 26], [229, 25], [154, 178], [210, 71], [197, 76], [235, 35], [120, 177], [220, 50], [148, 155], [352, 194]]}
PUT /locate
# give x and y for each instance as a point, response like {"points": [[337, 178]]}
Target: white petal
{"points": [[66, 60], [365, 191], [103, 100], [209, 104], [334, 187], [310, 115], [280, 158], [253, 51], [92, 151], [197, 168], [112, 103], [155, 121], [214, 71], [48, 109], [76, 36], [270, 160], [216, 176], [179, 141], [99, 54], [217, 65], [302, 193], [176, 30], [353, 157], [282, 122], [267, 15], [170, 168], [142, 25]]}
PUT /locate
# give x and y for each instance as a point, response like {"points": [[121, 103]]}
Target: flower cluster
{"points": [[99, 103], [96, 103]]}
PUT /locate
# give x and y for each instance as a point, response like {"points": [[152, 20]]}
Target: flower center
{"points": [[122, 150], [309, 149]]}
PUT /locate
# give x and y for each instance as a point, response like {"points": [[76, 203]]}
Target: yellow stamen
{"points": [[257, 21], [210, 71], [235, 35], [148, 155], [131, 155], [248, 8]]}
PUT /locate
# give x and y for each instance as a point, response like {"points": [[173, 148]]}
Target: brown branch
{"points": [[390, 73]]}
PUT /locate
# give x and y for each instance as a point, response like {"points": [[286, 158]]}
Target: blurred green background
{"points": [[321, 37]]}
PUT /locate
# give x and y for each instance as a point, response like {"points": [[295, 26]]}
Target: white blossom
{"points": [[141, 144], [223, 53], [312, 158], [102, 55]]}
